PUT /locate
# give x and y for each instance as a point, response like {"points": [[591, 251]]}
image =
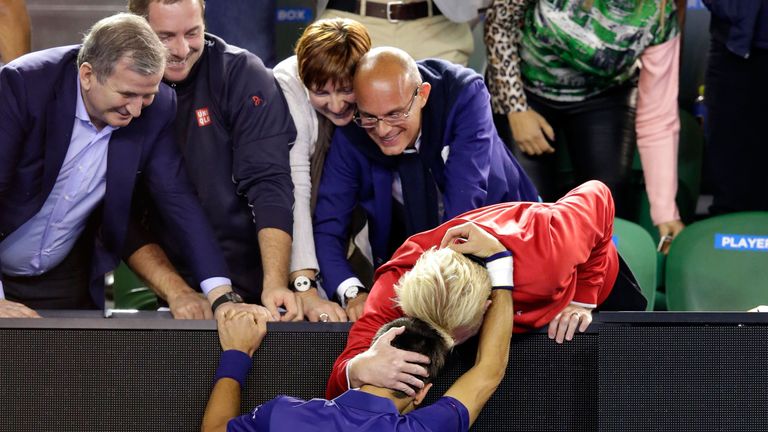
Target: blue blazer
{"points": [[37, 108], [469, 163]]}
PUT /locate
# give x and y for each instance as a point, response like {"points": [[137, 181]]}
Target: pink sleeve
{"points": [[658, 126]]}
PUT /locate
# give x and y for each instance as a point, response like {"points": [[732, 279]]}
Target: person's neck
{"points": [[400, 403]]}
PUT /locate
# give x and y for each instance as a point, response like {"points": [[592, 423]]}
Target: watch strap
{"points": [[229, 297]]}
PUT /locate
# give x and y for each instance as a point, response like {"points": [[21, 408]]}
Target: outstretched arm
{"points": [[154, 267], [475, 387], [240, 334]]}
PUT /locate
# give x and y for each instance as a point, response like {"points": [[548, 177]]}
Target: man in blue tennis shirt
{"points": [[368, 408]]}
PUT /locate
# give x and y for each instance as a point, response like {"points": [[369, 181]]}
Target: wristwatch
{"points": [[229, 297], [303, 284], [353, 292]]}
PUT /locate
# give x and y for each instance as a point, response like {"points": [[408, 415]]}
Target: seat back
{"points": [[636, 247], [130, 292], [719, 264]]}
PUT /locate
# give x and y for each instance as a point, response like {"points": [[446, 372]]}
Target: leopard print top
{"points": [[503, 33]]}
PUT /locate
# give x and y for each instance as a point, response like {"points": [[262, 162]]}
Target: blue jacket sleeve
{"points": [[12, 102], [12, 107], [469, 138], [336, 199]]}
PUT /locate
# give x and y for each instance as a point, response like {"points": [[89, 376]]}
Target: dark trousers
{"points": [[626, 294], [65, 286], [737, 136], [599, 133]]}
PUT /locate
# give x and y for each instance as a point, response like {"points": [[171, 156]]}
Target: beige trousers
{"points": [[431, 37]]}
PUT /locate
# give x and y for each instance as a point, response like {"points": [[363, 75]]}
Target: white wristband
{"points": [[501, 272]]}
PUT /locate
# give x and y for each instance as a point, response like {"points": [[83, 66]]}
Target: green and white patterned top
{"points": [[569, 50]]}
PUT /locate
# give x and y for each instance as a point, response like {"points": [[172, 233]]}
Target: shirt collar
{"points": [[365, 401], [416, 146]]}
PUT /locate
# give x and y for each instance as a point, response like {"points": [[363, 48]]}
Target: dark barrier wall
{"points": [[631, 372]]}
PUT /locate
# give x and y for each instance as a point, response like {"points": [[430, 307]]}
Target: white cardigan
{"points": [[305, 119]]}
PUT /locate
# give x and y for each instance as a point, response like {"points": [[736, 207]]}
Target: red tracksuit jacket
{"points": [[562, 253]]}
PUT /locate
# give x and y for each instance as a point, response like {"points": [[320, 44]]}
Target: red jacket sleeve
{"points": [[380, 309], [585, 217]]}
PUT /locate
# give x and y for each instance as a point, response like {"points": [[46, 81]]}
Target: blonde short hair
{"points": [[446, 290]]}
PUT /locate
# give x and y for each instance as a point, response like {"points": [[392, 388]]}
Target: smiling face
{"points": [[120, 97], [335, 102], [390, 97], [181, 29]]}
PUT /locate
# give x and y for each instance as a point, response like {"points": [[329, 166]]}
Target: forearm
{"points": [[223, 405], [275, 246], [658, 126], [153, 266], [14, 30], [475, 387], [496, 335]]}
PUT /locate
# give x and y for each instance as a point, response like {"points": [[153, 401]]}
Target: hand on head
{"points": [[468, 238], [388, 367]]}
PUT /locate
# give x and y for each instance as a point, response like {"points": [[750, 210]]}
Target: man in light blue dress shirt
{"points": [[74, 141]]}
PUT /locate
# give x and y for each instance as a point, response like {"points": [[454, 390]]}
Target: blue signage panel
{"points": [[301, 15], [741, 242]]}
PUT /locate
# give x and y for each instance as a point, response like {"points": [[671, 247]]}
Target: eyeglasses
{"points": [[368, 121]]}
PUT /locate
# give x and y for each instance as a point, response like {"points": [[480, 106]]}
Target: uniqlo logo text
{"points": [[203, 118]]}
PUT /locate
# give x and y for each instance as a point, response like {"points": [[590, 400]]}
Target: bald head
{"points": [[390, 95], [387, 64]]}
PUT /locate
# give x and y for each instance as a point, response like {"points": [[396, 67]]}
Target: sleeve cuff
{"points": [[500, 270], [213, 282], [2, 293], [273, 217], [346, 373], [350, 282], [584, 305]]}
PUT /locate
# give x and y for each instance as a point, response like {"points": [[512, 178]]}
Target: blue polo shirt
{"points": [[352, 411]]}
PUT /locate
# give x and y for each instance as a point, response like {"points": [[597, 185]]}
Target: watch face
{"points": [[234, 297], [302, 283], [351, 292]]}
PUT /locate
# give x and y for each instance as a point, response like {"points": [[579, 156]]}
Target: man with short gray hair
{"points": [[73, 140]]}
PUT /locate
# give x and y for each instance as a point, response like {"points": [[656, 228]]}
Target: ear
{"points": [[87, 76], [424, 92], [487, 305], [421, 394]]}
